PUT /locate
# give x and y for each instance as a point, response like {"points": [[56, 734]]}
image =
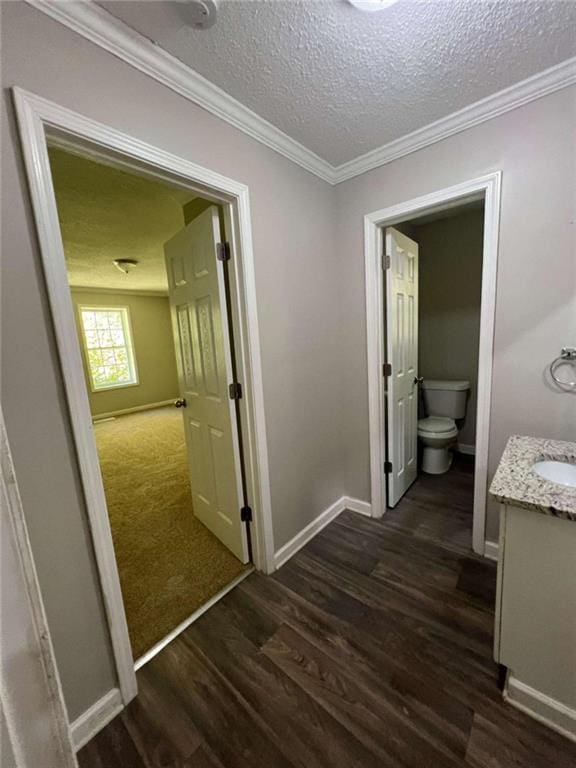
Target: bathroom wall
{"points": [[450, 284], [153, 350]]}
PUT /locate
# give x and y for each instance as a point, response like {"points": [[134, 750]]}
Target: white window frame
{"points": [[130, 346]]}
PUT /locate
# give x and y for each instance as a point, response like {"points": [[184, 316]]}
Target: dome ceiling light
{"points": [[372, 5], [125, 265]]}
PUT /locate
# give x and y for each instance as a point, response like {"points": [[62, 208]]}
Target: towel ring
{"points": [[567, 354]]}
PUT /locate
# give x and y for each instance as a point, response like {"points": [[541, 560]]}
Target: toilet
{"points": [[444, 401]]}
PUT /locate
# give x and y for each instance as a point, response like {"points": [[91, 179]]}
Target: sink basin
{"points": [[557, 472]]}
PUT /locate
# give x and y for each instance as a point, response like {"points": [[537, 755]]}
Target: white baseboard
{"points": [[308, 533], [94, 719], [469, 450], [491, 550], [149, 407], [356, 505], [548, 711]]}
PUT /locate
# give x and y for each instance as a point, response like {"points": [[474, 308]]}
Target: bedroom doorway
{"points": [[150, 298]]}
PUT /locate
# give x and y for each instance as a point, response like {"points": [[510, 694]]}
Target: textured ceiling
{"points": [[107, 214], [342, 81]]}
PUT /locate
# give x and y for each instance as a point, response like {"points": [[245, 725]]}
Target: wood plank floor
{"points": [[371, 647]]}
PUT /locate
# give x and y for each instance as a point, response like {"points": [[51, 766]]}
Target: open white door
{"points": [[197, 293], [402, 357]]}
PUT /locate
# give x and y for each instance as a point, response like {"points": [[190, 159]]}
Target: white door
{"points": [[402, 356], [197, 293]]}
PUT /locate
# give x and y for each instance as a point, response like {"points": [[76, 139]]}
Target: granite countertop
{"points": [[516, 483]]}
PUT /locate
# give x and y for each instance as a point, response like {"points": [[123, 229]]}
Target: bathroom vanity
{"points": [[535, 620]]}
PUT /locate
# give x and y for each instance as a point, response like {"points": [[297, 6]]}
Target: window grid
{"points": [[108, 346]]}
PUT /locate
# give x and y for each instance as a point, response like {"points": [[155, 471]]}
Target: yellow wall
{"points": [[153, 349]]}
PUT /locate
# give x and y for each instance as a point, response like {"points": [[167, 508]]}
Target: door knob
{"points": [[418, 379], [180, 403]]}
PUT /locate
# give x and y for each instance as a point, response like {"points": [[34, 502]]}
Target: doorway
{"points": [[395, 386], [157, 350], [44, 123]]}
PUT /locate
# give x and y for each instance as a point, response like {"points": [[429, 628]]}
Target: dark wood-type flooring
{"points": [[371, 647]]}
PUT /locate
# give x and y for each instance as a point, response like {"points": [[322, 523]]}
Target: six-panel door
{"points": [[197, 298]]}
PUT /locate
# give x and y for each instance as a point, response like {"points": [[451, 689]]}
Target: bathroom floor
{"points": [[371, 647]]}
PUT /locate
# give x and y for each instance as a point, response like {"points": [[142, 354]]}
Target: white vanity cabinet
{"points": [[535, 622]]}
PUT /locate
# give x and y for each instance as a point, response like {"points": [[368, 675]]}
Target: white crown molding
{"points": [[517, 95], [100, 27]]}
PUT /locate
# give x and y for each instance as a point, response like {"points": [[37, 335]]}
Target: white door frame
{"points": [[486, 188], [31, 701], [41, 121]]}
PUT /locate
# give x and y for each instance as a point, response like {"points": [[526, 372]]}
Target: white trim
{"points": [[120, 291], [487, 187], [91, 722], [468, 450], [161, 644], [307, 534], [37, 117], [535, 87], [355, 505], [136, 409], [491, 550], [547, 711], [111, 34], [31, 699]]}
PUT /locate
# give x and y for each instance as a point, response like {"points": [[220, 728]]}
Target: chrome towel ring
{"points": [[567, 354]]}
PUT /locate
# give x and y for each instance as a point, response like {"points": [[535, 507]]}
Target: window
{"points": [[109, 348]]}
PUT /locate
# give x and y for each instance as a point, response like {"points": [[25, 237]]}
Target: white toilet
{"points": [[444, 401]]}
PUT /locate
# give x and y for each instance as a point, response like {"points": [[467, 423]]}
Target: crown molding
{"points": [[120, 291], [100, 27], [542, 84]]}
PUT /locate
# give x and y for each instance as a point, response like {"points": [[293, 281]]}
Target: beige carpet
{"points": [[169, 563]]}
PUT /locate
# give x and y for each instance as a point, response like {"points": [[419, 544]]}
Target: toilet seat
{"points": [[440, 426]]}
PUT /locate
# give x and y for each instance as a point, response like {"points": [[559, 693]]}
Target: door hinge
{"points": [[246, 514], [387, 467], [386, 261], [223, 251], [387, 369], [235, 390]]}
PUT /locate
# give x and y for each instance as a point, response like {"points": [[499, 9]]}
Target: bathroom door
{"points": [[402, 356], [197, 294]]}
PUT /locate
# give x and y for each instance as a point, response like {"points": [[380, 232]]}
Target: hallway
{"points": [[371, 647]]}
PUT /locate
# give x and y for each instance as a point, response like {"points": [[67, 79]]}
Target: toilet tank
{"points": [[445, 398]]}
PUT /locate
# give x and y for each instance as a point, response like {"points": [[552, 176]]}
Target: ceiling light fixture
{"points": [[125, 265], [372, 5]]}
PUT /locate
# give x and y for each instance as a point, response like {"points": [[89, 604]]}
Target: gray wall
{"points": [[535, 313], [450, 285], [298, 294]]}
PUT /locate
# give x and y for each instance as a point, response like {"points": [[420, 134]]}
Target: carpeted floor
{"points": [[169, 563]]}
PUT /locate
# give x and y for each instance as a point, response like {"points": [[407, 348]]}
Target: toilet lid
{"points": [[436, 424]]}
